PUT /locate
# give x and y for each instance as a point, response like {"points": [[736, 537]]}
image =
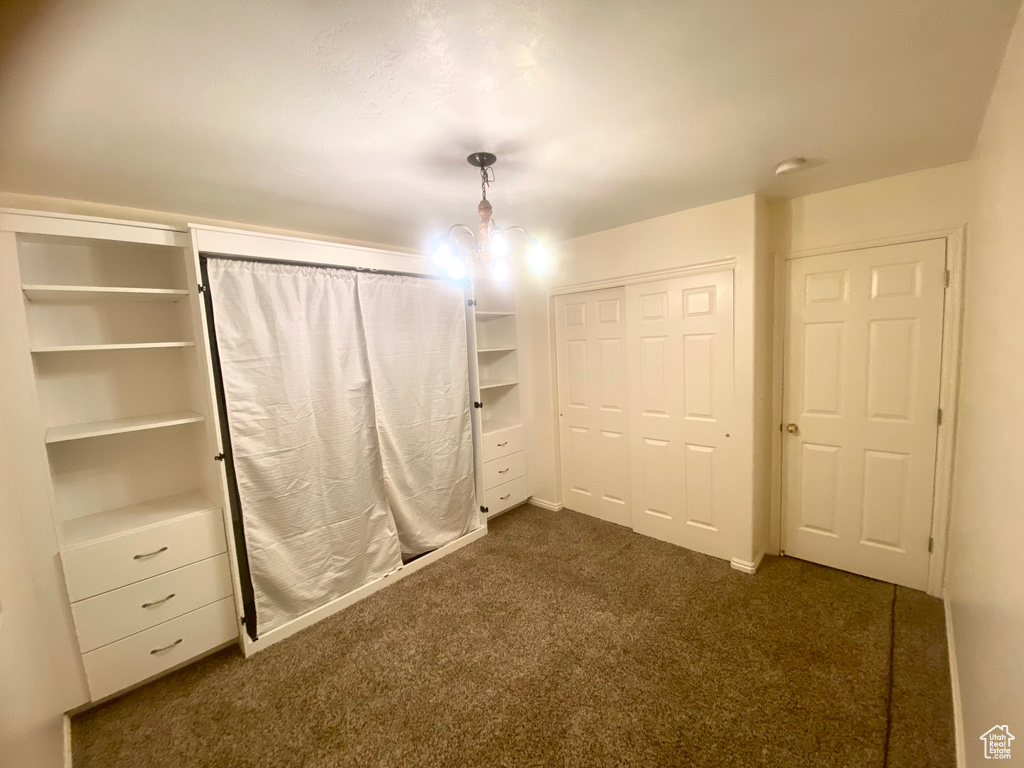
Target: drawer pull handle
{"points": [[167, 647], [150, 554], [502, 445], [158, 602], [506, 496], [503, 471]]}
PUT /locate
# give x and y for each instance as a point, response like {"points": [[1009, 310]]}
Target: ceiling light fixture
{"points": [[490, 247]]}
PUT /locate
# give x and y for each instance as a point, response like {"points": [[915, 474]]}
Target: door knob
{"points": [[793, 429]]}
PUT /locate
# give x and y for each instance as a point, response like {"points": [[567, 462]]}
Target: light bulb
{"points": [[498, 244], [538, 258], [443, 255], [500, 271]]}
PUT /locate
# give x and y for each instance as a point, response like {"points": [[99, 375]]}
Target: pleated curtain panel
{"points": [[348, 409]]}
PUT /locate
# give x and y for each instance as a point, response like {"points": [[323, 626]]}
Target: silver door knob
{"points": [[793, 429]]}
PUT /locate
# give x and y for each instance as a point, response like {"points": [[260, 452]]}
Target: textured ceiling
{"points": [[354, 118]]}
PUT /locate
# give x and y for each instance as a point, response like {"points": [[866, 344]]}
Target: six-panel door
{"points": [[592, 403], [680, 350], [861, 393]]}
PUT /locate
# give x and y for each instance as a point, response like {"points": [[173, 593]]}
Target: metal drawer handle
{"points": [[503, 471], [167, 647], [158, 602], [150, 554], [505, 496], [502, 445]]}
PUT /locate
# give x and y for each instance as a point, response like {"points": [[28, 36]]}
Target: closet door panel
{"points": [[680, 350], [593, 401]]}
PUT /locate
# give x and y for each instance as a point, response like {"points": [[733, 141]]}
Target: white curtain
{"points": [[416, 344], [301, 420]]}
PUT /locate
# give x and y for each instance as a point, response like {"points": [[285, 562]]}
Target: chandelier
{"points": [[490, 248]]}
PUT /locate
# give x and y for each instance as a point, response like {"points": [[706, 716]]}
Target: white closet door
{"points": [[592, 403], [863, 355], [680, 342], [416, 346], [301, 421]]}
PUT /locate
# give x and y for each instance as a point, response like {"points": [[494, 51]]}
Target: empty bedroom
{"points": [[442, 383]]}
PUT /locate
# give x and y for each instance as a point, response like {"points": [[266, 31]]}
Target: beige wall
{"points": [[985, 582], [711, 233]]}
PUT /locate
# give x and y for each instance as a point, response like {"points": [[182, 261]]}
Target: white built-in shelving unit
{"points": [[503, 445], [109, 326]]}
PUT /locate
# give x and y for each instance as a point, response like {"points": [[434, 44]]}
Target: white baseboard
{"points": [[67, 741], [954, 678], [548, 505], [307, 620], [747, 567]]}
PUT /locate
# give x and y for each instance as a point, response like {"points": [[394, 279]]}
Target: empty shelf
{"points": [[114, 522], [486, 314], [495, 383], [52, 293], [120, 426], [103, 347], [496, 426], [496, 349]]}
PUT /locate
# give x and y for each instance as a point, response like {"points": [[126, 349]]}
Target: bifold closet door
{"points": [[416, 346], [680, 347], [300, 413], [590, 331]]}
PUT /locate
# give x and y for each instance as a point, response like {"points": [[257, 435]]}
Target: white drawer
{"points": [[504, 469], [503, 442], [152, 651], [108, 617], [506, 495], [100, 566]]}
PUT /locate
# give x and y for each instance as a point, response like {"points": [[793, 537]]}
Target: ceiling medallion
{"points": [[490, 247]]}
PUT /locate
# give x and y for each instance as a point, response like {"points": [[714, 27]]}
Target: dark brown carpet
{"points": [[559, 640]]}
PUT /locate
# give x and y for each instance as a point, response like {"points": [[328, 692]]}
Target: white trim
{"points": [[297, 625], [747, 567], [550, 506], [90, 228], [260, 245], [949, 376], [954, 679], [67, 742], [644, 277]]}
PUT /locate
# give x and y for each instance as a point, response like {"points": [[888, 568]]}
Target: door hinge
{"points": [[938, 418], [219, 457], [485, 510], [945, 279], [202, 288], [931, 543], [471, 303], [478, 405]]}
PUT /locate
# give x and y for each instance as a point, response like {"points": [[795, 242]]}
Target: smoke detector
{"points": [[790, 165]]}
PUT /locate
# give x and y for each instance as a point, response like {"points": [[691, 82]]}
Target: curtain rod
{"points": [[289, 262]]}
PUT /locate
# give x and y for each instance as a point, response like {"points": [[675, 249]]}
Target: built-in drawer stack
{"points": [[504, 469], [150, 599]]}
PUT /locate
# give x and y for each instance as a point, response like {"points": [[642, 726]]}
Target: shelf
{"points": [[115, 522], [495, 384], [487, 314], [120, 426], [56, 293], [496, 349], [105, 347], [494, 425]]}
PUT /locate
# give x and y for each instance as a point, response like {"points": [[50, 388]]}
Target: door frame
{"points": [[949, 384]]}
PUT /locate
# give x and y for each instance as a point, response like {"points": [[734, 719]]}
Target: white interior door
{"points": [[861, 395], [680, 342], [592, 401]]}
